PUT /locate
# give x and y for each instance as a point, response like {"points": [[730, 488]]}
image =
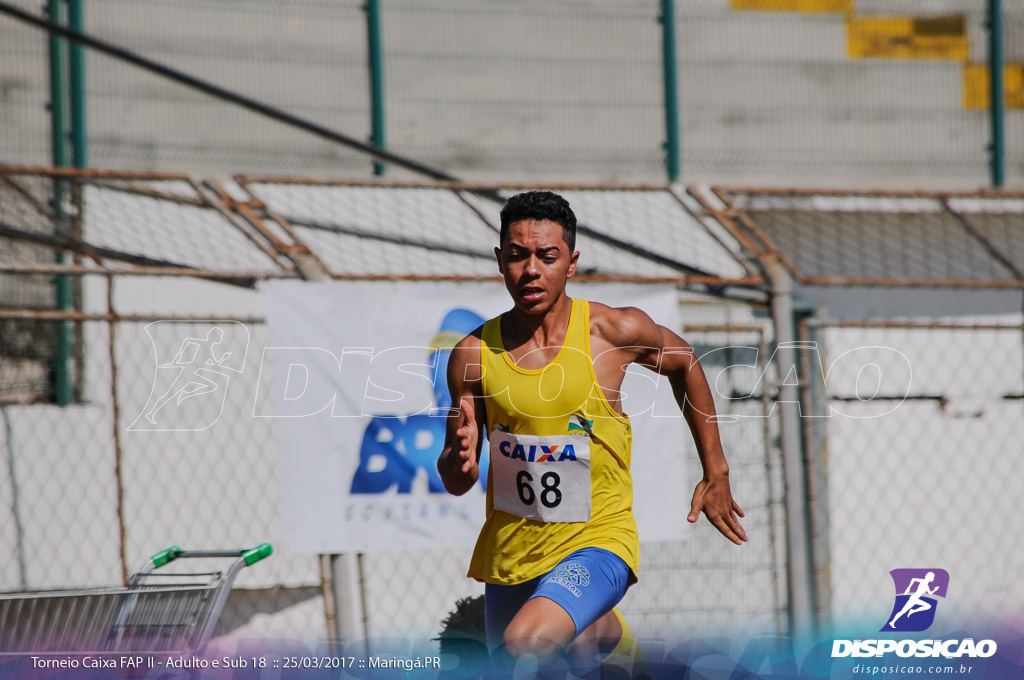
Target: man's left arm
{"points": [[671, 356], [713, 495]]}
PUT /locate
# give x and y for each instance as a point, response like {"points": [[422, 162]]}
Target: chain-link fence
{"points": [[925, 472], [911, 394], [95, 485], [704, 585], [868, 93], [846, 93], [910, 305], [89, 494], [87, 499]]}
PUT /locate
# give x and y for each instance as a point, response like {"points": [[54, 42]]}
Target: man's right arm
{"points": [[458, 463]]}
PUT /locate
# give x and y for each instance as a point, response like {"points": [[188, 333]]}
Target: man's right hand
{"points": [[466, 437], [458, 464]]}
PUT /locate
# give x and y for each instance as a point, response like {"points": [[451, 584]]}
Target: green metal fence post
{"points": [[668, 57], [58, 79], [76, 64], [375, 49], [79, 150], [61, 362], [996, 108]]}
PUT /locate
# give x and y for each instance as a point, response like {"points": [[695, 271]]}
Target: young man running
{"points": [[559, 546]]}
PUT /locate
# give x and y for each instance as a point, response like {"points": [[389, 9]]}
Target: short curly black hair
{"points": [[539, 205]]}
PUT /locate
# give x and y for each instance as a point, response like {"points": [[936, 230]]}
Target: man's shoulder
{"points": [[464, 361], [601, 310], [471, 341], [619, 326]]}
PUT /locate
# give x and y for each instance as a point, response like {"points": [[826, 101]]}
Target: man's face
{"points": [[536, 262]]}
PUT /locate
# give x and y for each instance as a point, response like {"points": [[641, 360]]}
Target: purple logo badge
{"points": [[916, 590]]}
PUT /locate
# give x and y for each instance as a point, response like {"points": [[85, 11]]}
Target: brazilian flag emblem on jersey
{"points": [[581, 424]]}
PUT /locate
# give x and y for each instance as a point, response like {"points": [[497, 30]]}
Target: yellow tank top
{"points": [[559, 469]]}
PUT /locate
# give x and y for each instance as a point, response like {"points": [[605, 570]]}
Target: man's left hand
{"points": [[714, 498]]}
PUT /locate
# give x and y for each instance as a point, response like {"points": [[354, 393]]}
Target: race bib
{"points": [[541, 478]]}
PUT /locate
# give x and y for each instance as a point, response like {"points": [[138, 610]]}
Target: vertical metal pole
{"points": [[349, 612], [668, 57], [76, 65], [801, 612], [766, 438], [79, 159], [61, 362], [58, 80], [327, 592], [813, 409], [115, 397], [996, 110], [375, 48]]}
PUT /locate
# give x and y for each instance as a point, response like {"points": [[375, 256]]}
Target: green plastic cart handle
{"points": [[258, 553], [165, 556]]}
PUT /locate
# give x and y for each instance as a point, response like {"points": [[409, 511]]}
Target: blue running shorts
{"points": [[586, 584]]}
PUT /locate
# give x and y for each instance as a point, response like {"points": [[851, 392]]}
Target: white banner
{"points": [[354, 378]]}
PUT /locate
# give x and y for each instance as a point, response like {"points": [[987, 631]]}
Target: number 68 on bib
{"points": [[541, 478]]}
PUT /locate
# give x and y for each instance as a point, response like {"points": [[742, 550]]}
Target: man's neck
{"points": [[546, 329]]}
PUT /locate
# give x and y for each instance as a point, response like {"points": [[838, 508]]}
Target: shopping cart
{"points": [[158, 611]]}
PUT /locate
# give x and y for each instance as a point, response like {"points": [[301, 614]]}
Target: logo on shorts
{"points": [[572, 575], [575, 573], [914, 609]]}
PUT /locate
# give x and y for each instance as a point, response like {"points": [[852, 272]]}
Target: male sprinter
{"points": [[559, 546]]}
